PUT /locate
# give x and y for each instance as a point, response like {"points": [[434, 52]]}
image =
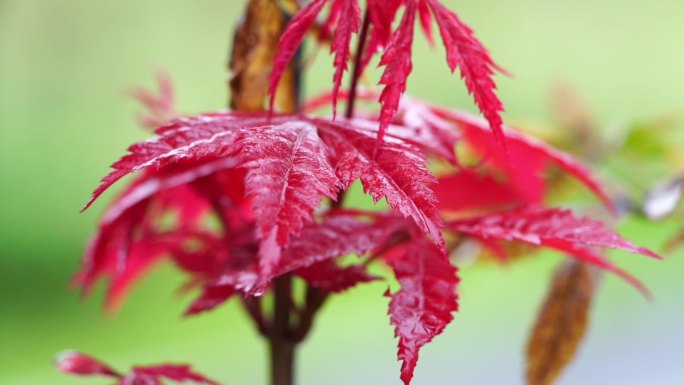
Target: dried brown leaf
{"points": [[675, 243], [562, 322], [254, 47], [573, 113]]}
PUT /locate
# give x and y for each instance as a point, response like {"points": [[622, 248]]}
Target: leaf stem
{"points": [[253, 307], [315, 298], [356, 72]]}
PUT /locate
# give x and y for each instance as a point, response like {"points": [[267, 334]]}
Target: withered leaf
{"points": [[251, 61], [562, 322], [675, 242]]}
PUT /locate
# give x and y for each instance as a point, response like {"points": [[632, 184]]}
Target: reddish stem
{"points": [[356, 73], [253, 307], [315, 298]]}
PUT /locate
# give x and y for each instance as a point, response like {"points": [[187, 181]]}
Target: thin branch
{"points": [[356, 73], [282, 343], [253, 307], [315, 298]]}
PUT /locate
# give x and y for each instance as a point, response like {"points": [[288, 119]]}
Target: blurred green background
{"points": [[64, 69]]}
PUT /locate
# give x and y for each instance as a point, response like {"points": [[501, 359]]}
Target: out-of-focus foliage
{"points": [[643, 160]]}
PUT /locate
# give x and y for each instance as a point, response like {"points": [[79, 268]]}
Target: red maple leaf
{"points": [[290, 170], [553, 228], [292, 162], [523, 163], [415, 124], [526, 159], [318, 244], [348, 24], [160, 107], [330, 277], [423, 307], [130, 239], [73, 362], [464, 51], [455, 192], [382, 14], [79, 364], [437, 130]]}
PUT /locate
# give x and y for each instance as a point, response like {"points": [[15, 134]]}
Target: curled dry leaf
{"points": [[562, 322], [675, 243], [252, 58]]}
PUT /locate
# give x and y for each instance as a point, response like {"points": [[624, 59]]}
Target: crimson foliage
{"points": [[274, 183], [83, 365], [464, 51], [265, 178]]}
